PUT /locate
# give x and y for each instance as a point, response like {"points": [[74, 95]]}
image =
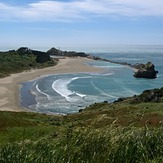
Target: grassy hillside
{"points": [[106, 132]]}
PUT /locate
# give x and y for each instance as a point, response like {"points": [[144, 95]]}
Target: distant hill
{"points": [[14, 61], [56, 52], [41, 57]]}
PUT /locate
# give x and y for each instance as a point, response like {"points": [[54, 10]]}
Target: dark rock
{"points": [[120, 99], [54, 51], [80, 110], [145, 71]]}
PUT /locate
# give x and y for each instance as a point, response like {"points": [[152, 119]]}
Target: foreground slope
{"points": [[123, 131]]}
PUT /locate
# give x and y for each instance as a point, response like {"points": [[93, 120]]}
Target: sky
{"points": [[58, 23]]}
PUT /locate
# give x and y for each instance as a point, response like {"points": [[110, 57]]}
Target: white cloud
{"points": [[77, 10]]}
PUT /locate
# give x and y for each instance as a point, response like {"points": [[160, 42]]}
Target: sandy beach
{"points": [[9, 86]]}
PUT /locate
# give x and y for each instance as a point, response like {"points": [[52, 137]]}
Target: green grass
{"points": [[120, 132], [114, 145]]}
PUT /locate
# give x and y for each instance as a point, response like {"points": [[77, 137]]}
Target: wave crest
{"points": [[61, 87]]}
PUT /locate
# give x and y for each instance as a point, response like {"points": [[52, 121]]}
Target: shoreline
{"points": [[10, 86]]}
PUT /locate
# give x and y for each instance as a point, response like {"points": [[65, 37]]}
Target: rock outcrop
{"points": [[145, 71], [153, 95], [54, 51]]}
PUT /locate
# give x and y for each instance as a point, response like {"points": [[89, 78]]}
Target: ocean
{"points": [[68, 93]]}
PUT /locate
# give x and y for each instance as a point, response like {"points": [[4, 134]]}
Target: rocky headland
{"points": [[141, 70], [57, 52]]}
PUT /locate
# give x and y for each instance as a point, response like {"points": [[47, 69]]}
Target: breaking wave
{"points": [[61, 87]]}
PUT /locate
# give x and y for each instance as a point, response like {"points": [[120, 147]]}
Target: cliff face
{"points": [[145, 71]]}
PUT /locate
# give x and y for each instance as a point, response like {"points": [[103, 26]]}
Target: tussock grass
{"points": [[121, 145], [102, 133]]}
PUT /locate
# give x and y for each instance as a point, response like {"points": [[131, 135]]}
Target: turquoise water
{"points": [[68, 93]]}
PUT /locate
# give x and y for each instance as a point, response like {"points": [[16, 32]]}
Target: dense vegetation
{"points": [[23, 59], [119, 132]]}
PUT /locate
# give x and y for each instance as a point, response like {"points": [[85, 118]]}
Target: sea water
{"points": [[68, 93]]}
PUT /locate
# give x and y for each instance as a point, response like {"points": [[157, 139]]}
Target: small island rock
{"points": [[145, 71]]}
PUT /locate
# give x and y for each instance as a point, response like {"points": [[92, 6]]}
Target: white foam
{"points": [[118, 66], [42, 92], [60, 86], [107, 74], [81, 95]]}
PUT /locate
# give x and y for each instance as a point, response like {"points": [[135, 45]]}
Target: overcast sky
{"points": [[47, 23]]}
